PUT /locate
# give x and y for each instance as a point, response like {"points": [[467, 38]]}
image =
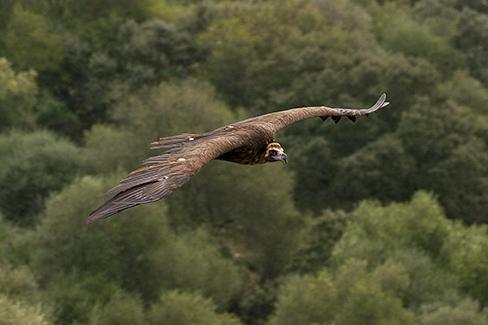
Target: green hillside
{"points": [[379, 222]]}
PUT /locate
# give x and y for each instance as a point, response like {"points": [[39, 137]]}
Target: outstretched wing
{"points": [[161, 175], [278, 120]]}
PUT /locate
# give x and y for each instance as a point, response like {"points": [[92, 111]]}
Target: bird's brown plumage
{"points": [[243, 142]]}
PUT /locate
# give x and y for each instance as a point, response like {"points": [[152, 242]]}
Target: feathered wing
{"points": [[278, 120], [159, 176], [186, 154]]}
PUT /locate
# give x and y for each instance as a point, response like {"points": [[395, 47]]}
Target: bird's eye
{"points": [[273, 152]]}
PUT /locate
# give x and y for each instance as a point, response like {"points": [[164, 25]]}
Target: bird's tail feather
{"points": [[174, 141]]}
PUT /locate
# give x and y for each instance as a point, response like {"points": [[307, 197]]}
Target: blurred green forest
{"points": [[378, 222]]}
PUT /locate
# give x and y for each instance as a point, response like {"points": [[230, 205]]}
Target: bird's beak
{"points": [[284, 158]]}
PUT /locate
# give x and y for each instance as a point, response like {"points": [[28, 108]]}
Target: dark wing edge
{"points": [[161, 175], [282, 119], [352, 114], [140, 194], [156, 179]]}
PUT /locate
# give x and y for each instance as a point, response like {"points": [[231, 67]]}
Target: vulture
{"points": [[251, 141]]}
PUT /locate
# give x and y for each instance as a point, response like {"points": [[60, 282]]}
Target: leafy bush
{"points": [[121, 309], [32, 166], [351, 296], [465, 313], [18, 283], [17, 97], [73, 296], [16, 313], [27, 31], [192, 262], [306, 300], [185, 308]]}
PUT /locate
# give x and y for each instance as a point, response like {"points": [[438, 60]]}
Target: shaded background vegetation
{"points": [[378, 222]]}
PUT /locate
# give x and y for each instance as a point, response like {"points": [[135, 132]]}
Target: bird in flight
{"points": [[251, 141]]}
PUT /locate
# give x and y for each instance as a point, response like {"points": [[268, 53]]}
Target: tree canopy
{"points": [[378, 222]]}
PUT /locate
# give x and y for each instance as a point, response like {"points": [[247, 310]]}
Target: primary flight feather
{"points": [[251, 141]]}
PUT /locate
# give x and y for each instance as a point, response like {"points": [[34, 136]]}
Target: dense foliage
{"points": [[378, 222]]}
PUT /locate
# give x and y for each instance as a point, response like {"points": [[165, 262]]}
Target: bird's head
{"points": [[275, 152]]}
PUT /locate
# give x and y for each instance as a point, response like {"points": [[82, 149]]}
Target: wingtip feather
{"points": [[102, 212], [381, 100], [94, 216], [380, 103], [89, 220]]}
